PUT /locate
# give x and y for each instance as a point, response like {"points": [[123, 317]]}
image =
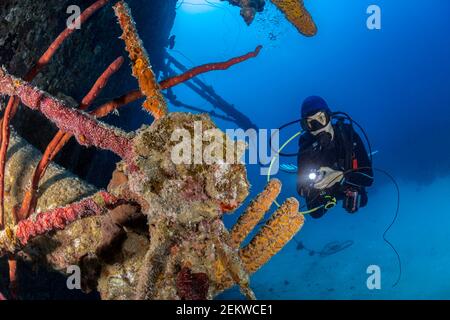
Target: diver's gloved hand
{"points": [[329, 178]]}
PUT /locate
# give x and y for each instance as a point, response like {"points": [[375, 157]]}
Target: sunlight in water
{"points": [[199, 6]]}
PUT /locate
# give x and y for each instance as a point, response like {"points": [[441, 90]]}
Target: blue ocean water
{"points": [[395, 82]]}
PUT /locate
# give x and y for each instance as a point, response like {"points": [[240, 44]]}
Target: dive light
{"points": [[315, 176]]}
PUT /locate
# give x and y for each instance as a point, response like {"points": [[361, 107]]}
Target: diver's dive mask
{"points": [[319, 125], [316, 122]]}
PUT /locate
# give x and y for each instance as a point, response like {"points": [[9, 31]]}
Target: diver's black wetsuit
{"points": [[338, 155]]}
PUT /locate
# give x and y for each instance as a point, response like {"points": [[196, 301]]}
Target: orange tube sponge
{"points": [[296, 13], [254, 213], [142, 71], [277, 232]]}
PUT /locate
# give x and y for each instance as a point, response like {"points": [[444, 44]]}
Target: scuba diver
{"points": [[332, 161]]}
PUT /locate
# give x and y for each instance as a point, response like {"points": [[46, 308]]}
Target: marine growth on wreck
{"points": [[294, 10], [156, 232]]}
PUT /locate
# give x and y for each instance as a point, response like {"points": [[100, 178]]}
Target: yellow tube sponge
{"points": [[277, 232], [254, 213]]}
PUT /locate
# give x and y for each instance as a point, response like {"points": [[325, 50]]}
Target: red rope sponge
{"points": [[59, 218]]}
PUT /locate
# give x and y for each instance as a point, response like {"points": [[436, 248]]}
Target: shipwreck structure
{"points": [[157, 231]]}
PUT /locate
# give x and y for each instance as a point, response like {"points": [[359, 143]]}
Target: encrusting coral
{"points": [[157, 232], [249, 8]]}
